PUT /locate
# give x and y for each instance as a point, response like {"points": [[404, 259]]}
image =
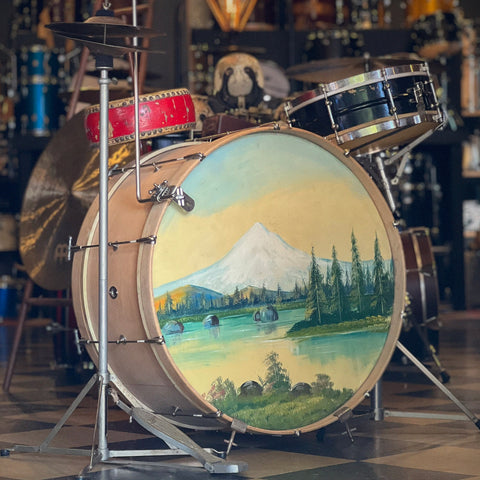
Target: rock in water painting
{"points": [[275, 294]]}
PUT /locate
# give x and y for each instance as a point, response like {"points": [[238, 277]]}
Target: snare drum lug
{"points": [[418, 92], [328, 104], [391, 101]]}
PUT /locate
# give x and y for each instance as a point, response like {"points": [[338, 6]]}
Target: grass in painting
{"points": [[283, 411], [273, 403]]}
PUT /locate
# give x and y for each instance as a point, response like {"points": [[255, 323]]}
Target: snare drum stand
{"points": [[376, 394], [379, 413], [177, 441]]}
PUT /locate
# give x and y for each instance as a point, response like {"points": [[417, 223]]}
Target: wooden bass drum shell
{"points": [[148, 375]]}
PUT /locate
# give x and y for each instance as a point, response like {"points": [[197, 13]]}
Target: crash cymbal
{"points": [[334, 69], [105, 35], [61, 188], [115, 48]]}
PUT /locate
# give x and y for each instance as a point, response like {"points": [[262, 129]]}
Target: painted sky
{"points": [[293, 186]]}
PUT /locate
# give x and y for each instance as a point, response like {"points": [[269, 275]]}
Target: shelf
{"points": [[471, 174]]}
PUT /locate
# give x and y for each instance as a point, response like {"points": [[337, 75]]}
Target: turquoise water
{"points": [[237, 349]]}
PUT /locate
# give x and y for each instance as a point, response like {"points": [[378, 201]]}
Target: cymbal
{"points": [[334, 69], [61, 188], [91, 30], [116, 47], [105, 35]]}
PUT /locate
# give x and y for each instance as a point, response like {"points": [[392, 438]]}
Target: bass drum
{"points": [[275, 303]]}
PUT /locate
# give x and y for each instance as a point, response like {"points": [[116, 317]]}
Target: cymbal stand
{"points": [[177, 441]]}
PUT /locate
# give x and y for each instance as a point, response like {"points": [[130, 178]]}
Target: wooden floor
{"points": [[437, 442]]}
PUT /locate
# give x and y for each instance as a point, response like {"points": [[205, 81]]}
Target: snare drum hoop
{"points": [[426, 121], [147, 308], [422, 122], [350, 83], [156, 116]]}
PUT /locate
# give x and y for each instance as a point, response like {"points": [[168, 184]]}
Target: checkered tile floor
{"points": [[400, 446]]}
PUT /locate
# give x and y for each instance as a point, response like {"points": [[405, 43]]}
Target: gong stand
{"points": [[178, 442]]}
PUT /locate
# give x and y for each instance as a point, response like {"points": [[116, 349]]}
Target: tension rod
{"points": [[123, 341], [151, 240]]}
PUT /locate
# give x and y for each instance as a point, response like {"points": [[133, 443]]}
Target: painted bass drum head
{"points": [[277, 299]]}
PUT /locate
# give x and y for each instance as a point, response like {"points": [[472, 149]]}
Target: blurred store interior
{"points": [[328, 67]]}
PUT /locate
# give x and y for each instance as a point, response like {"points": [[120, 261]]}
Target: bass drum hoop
{"points": [[84, 296]]}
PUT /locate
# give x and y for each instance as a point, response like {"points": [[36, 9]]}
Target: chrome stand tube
{"points": [[103, 374]]}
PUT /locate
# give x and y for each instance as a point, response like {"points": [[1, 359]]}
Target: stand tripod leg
{"points": [[44, 446], [442, 387], [18, 334], [445, 377]]}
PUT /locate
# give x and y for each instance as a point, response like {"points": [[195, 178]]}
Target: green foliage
{"points": [[277, 377], [375, 323], [282, 410], [338, 298], [278, 408], [315, 294], [221, 390]]}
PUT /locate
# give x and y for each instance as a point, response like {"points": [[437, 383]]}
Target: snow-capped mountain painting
{"points": [[260, 258]]}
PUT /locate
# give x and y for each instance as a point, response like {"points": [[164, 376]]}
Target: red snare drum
{"points": [[160, 113]]}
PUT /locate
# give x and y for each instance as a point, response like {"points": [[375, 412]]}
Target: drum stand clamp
{"points": [[165, 191]]}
